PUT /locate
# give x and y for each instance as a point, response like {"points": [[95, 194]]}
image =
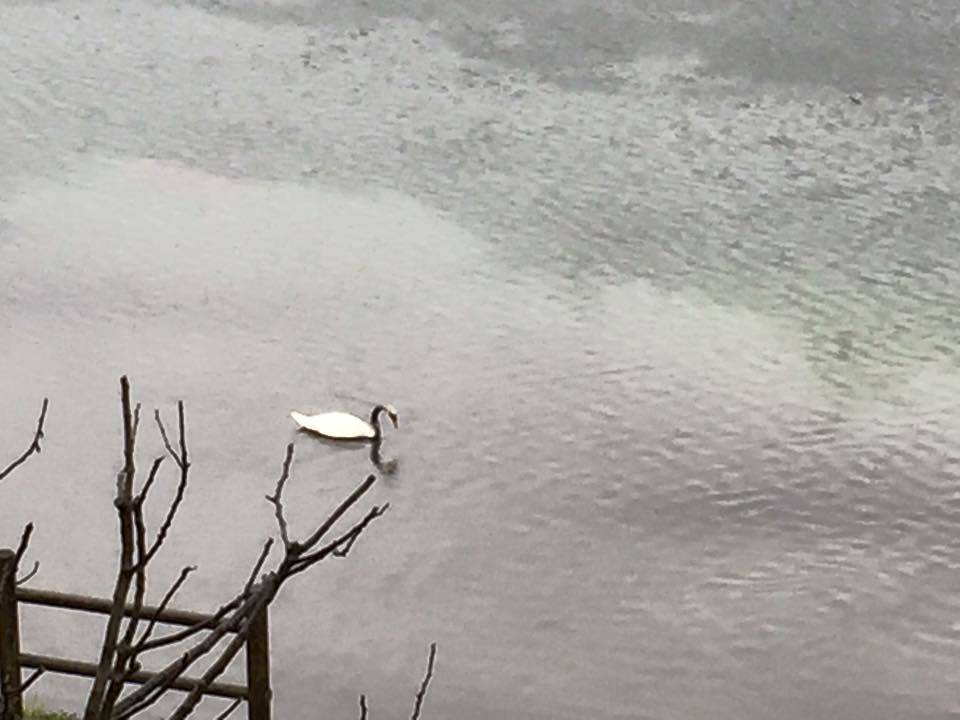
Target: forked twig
{"points": [[277, 498], [184, 464]]}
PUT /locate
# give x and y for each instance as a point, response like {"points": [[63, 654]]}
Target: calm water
{"points": [[667, 300]]}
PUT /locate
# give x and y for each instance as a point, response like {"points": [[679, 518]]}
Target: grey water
{"points": [[666, 297]]}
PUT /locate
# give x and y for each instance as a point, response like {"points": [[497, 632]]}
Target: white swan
{"points": [[344, 426]]}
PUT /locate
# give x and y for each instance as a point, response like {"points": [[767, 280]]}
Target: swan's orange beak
{"points": [[394, 419]]}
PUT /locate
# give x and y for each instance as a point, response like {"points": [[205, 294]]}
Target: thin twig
{"points": [[256, 568], [226, 713], [166, 440], [30, 575], [34, 445], [150, 478], [183, 433], [277, 498], [363, 707], [426, 681], [138, 647]]}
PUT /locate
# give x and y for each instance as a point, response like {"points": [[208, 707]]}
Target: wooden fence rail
{"points": [[256, 691]]}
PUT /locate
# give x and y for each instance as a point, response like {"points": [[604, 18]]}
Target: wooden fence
{"points": [[256, 691]]}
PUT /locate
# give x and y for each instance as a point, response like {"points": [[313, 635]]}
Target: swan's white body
{"points": [[340, 425]]}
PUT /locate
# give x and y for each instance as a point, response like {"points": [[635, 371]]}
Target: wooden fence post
{"points": [[10, 677], [258, 668]]}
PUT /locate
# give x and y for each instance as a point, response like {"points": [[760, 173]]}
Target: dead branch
{"points": [[363, 707], [124, 505], [34, 445], [252, 600], [426, 681], [125, 661]]}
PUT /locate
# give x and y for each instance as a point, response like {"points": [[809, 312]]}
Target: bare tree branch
{"points": [[124, 664], [226, 713], [426, 681], [277, 498], [252, 601], [124, 505], [34, 445], [363, 707], [30, 575]]}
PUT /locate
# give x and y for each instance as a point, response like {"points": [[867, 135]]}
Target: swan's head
{"points": [[392, 414]]}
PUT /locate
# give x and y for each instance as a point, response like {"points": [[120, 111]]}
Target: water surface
{"points": [[666, 300]]}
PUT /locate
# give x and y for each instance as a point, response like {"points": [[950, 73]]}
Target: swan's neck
{"points": [[375, 421]]}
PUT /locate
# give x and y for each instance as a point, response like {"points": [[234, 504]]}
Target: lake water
{"points": [[667, 300]]}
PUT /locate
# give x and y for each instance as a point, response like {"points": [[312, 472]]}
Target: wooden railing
{"points": [[256, 691]]}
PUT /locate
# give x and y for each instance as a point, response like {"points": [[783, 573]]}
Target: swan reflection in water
{"points": [[388, 467]]}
